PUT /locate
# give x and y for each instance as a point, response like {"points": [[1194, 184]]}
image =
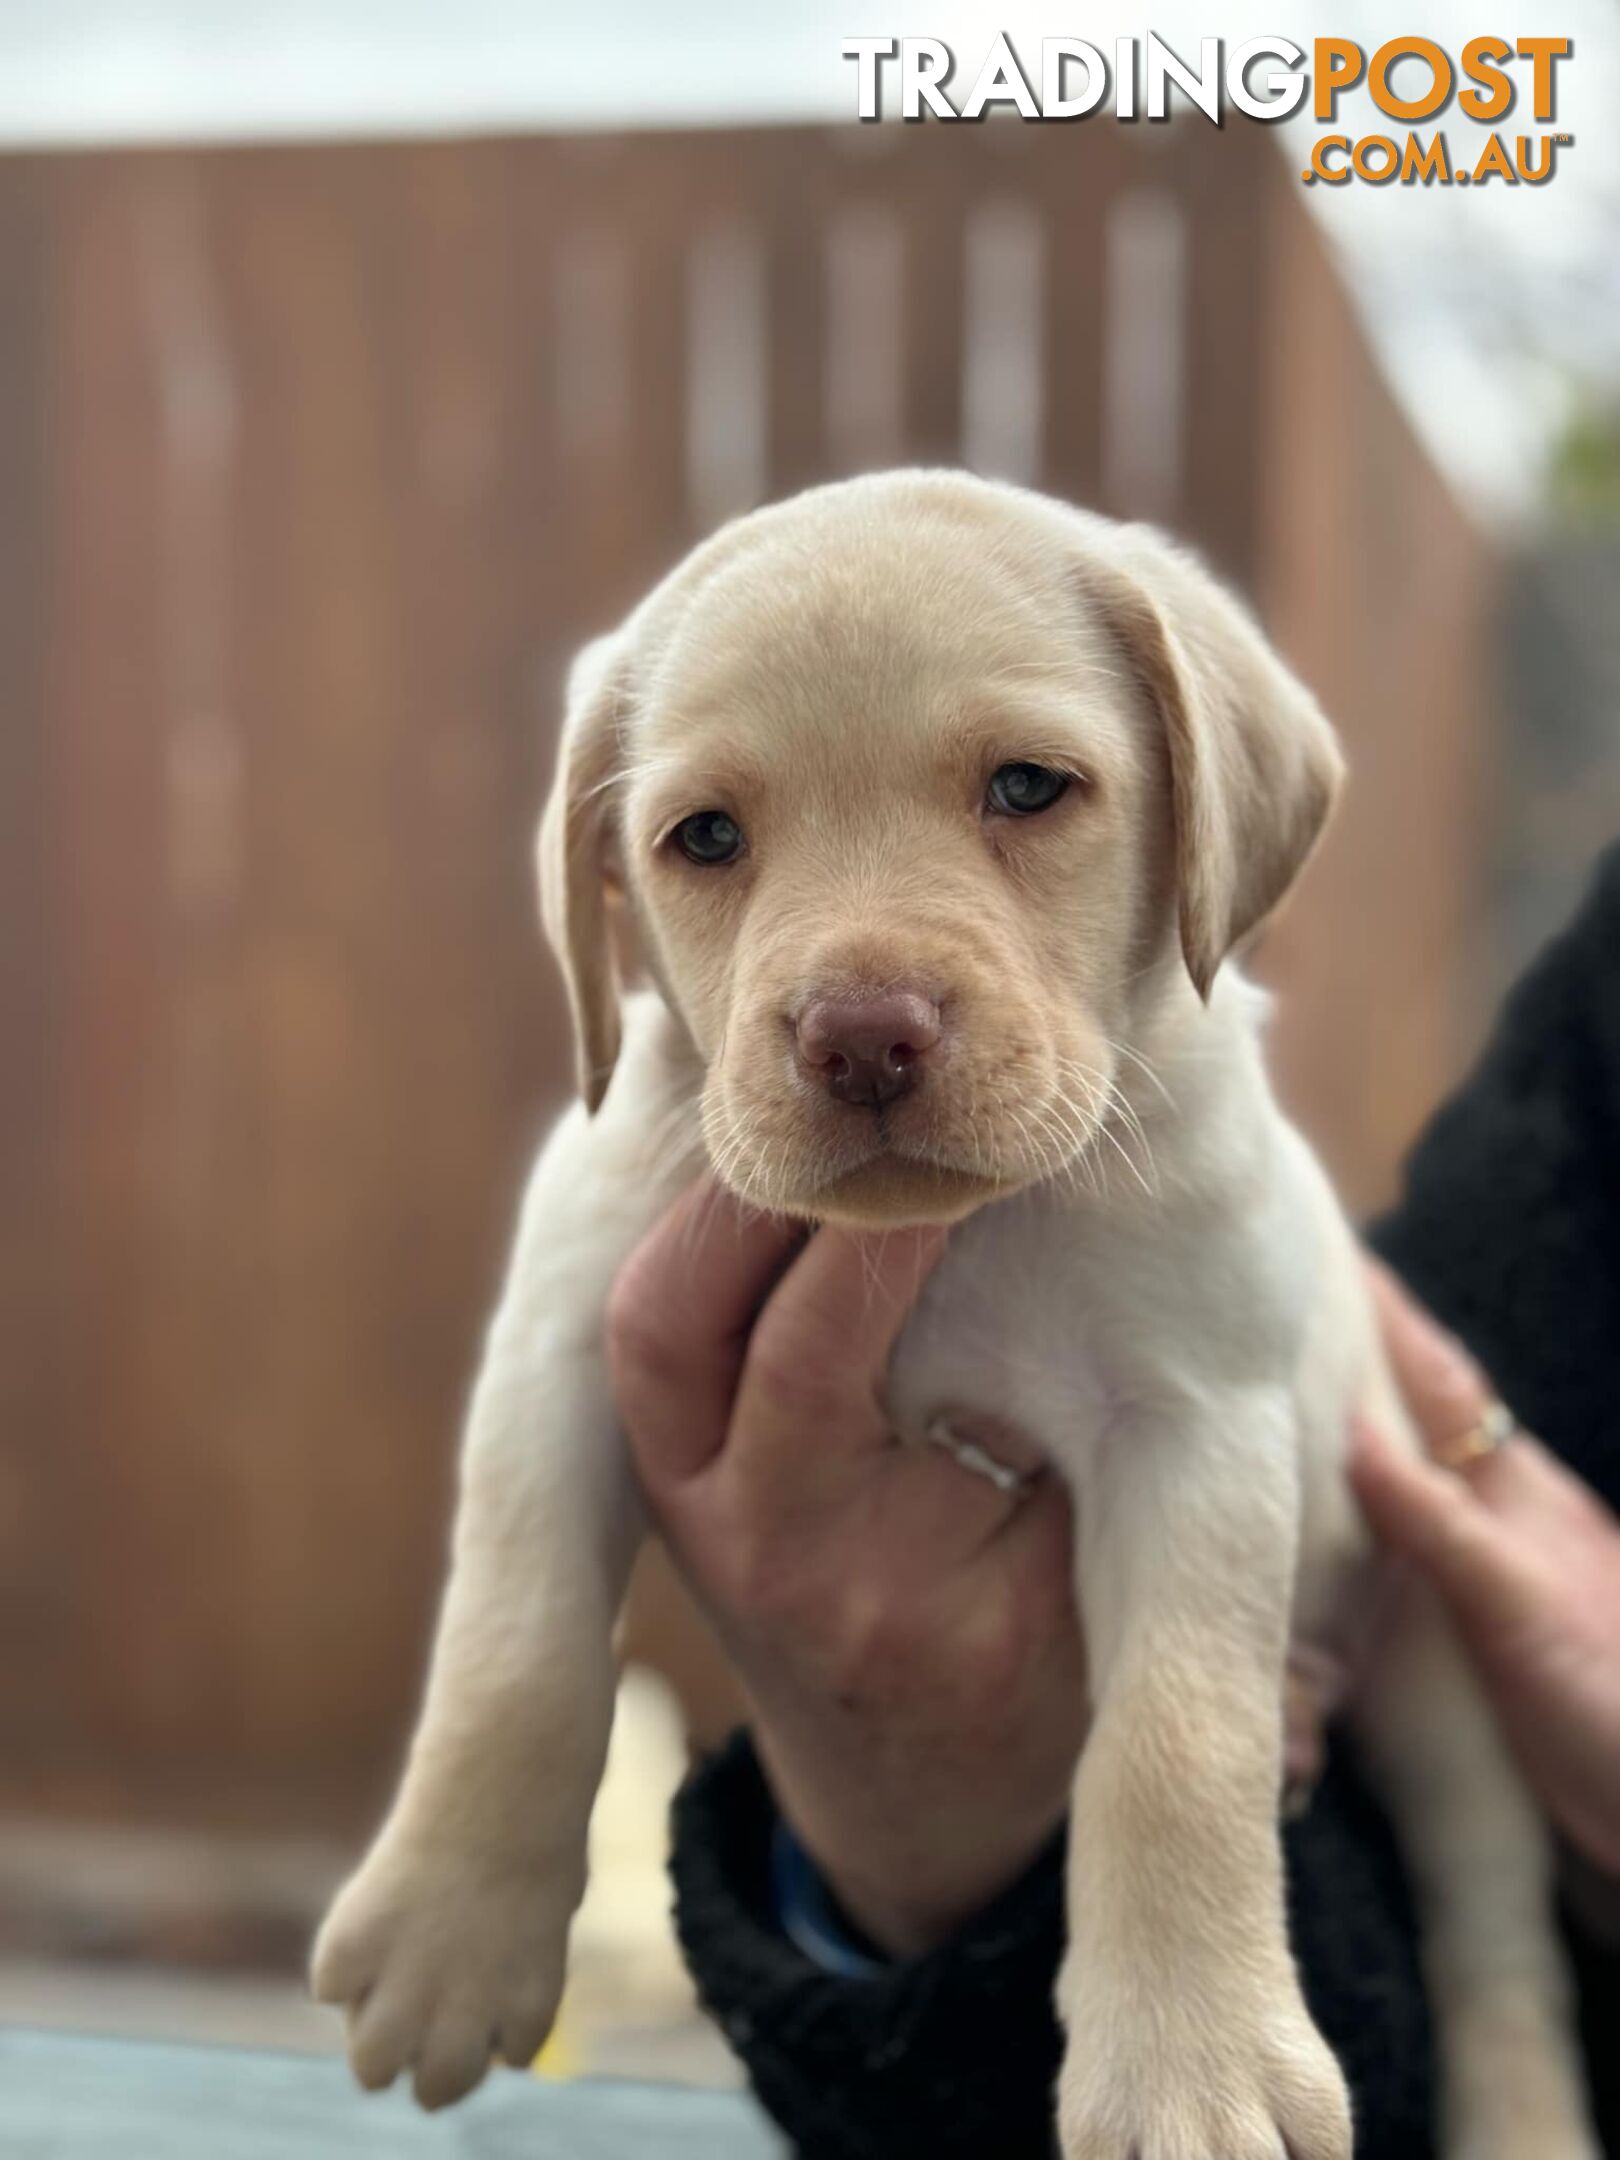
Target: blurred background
{"points": [[356, 362]]}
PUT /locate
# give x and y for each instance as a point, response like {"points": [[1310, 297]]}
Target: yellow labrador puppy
{"points": [[939, 808]]}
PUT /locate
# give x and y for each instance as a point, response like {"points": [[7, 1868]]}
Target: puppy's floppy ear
{"points": [[1254, 766], [574, 834]]}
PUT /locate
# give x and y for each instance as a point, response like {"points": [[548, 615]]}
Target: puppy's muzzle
{"points": [[868, 1050]]}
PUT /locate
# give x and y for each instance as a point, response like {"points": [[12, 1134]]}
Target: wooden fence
{"points": [[315, 463]]}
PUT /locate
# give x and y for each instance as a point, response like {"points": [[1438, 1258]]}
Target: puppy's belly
{"points": [[980, 1371], [1006, 1335]]}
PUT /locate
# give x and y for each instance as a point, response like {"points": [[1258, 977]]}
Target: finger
{"points": [[1029, 1564], [1541, 1482], [844, 1301], [678, 1324], [809, 1397], [1440, 1523], [1545, 1507], [944, 1513], [1036, 1542], [964, 1481]]}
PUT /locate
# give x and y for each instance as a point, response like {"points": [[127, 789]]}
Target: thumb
{"points": [[1434, 1519], [678, 1327], [808, 1414], [838, 1310]]}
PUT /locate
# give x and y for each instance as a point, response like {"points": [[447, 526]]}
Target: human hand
{"points": [[904, 1629], [1526, 1557]]}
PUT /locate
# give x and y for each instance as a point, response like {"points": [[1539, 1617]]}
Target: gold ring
{"points": [[1491, 1432]]}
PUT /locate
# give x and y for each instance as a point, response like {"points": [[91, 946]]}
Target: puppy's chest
{"points": [[1024, 1324]]}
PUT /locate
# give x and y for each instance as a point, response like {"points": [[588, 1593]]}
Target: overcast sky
{"points": [[1487, 302]]}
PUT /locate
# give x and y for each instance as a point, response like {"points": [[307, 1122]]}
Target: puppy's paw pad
{"points": [[440, 1965], [1203, 2092]]}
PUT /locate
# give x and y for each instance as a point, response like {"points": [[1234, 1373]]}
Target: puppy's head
{"points": [[917, 788]]}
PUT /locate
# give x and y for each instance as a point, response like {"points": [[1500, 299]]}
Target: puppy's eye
{"points": [[709, 837], [1021, 790]]}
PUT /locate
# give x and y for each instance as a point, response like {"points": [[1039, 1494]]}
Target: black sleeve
{"points": [[1509, 1223], [947, 2054], [952, 2056], [1510, 1230]]}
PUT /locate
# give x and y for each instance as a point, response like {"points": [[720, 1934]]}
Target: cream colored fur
{"points": [[1150, 1278]]}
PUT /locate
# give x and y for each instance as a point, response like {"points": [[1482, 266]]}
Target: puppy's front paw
{"points": [[442, 1960], [1191, 2079]]}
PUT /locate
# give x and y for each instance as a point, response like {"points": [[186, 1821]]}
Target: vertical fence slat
{"points": [[37, 1584], [792, 187], [1073, 319], [929, 191]]}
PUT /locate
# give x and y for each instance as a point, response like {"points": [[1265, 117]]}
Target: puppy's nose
{"points": [[868, 1049]]}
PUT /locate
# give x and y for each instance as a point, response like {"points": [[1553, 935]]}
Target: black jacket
{"points": [[1510, 1231]]}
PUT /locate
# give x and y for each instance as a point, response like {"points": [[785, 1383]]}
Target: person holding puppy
{"points": [[868, 1883]]}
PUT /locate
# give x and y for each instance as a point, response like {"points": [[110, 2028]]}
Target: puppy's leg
{"points": [[1479, 1859], [448, 1944], [1187, 2033]]}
